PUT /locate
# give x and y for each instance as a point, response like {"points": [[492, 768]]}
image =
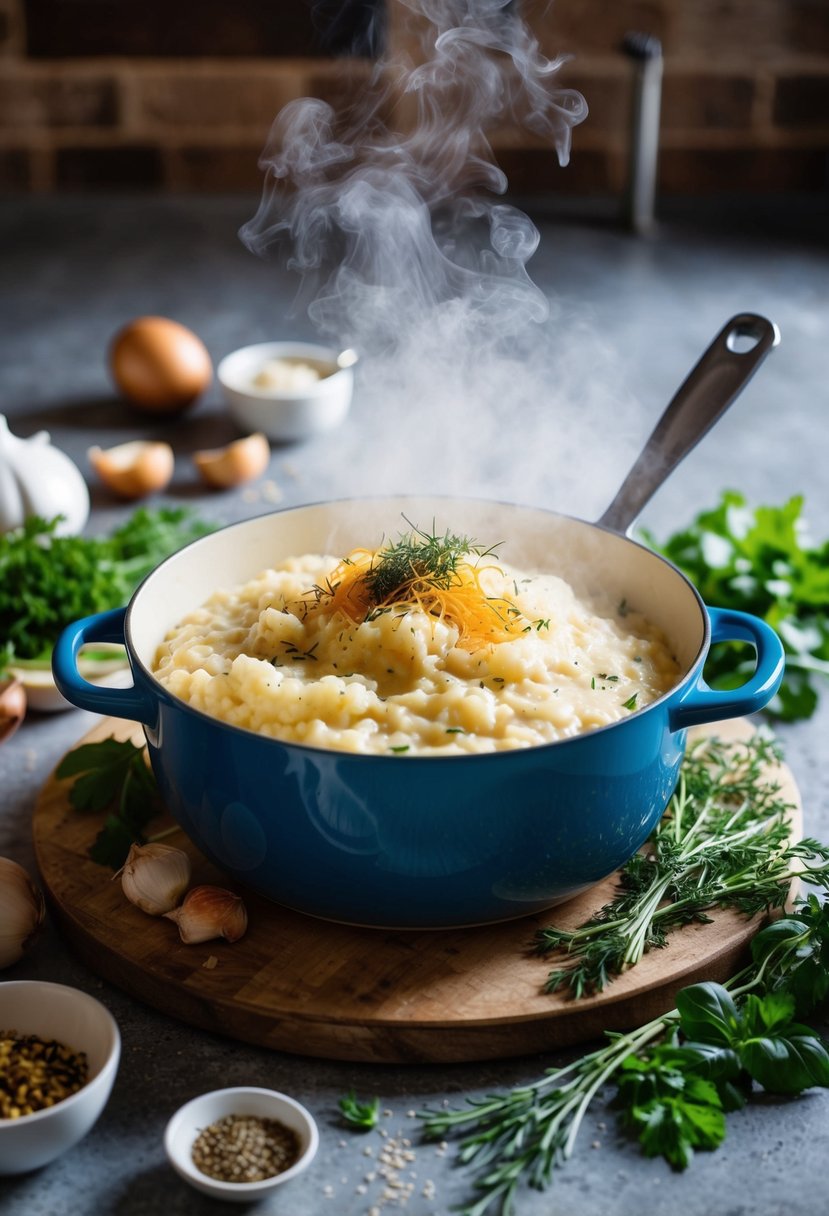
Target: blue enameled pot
{"points": [[419, 841]]}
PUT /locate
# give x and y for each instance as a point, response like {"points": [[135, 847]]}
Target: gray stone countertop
{"points": [[629, 319]]}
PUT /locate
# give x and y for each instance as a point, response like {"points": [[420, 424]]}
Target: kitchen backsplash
{"points": [[180, 94]]}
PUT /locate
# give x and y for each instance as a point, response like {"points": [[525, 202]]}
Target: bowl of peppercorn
{"points": [[241, 1143], [59, 1052]]}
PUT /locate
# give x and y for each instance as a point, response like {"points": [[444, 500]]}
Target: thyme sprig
{"points": [[723, 842], [677, 1077]]}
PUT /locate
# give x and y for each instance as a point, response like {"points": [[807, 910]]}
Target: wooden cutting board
{"points": [[311, 987]]}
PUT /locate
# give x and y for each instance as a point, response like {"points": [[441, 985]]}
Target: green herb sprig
{"points": [[760, 560], [48, 581], [424, 556], [723, 842], [112, 776], [676, 1077], [360, 1115]]}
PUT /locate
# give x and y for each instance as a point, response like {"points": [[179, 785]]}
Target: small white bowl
{"points": [[41, 693], [54, 1011], [287, 414], [190, 1119]]}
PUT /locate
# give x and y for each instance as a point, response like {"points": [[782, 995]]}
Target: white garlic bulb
{"points": [[21, 911], [36, 478], [155, 876]]}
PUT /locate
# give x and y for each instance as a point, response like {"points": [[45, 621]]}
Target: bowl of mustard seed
{"points": [[238, 1144], [59, 1053]]}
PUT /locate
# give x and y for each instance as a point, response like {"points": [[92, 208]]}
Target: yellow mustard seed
{"points": [[36, 1073]]}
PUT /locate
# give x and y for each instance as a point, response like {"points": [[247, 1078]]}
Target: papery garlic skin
{"points": [[241, 461], [21, 911], [134, 469], [36, 478], [155, 876], [209, 912]]}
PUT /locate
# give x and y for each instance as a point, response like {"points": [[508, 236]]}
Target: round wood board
{"points": [[315, 988]]}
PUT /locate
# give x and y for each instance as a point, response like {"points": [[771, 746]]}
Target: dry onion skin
{"points": [[159, 365]]}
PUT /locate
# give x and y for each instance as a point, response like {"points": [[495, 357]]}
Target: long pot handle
{"points": [[131, 703], [705, 394], [703, 704]]}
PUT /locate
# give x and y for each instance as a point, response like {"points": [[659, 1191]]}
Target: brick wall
{"points": [[120, 94]]}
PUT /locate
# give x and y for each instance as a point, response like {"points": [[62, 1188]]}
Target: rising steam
{"points": [[391, 212]]}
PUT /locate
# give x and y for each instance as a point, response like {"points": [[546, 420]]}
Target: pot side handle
{"points": [[129, 703], [703, 704]]}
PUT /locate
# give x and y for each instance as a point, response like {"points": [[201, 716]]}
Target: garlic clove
{"points": [[209, 912], [134, 469], [21, 911], [155, 876], [12, 707], [241, 461]]}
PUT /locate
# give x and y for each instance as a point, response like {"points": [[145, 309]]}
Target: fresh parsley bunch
{"points": [[48, 581], [761, 561]]}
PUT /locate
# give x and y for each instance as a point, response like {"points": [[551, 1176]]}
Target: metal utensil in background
{"points": [[646, 53], [705, 394]]}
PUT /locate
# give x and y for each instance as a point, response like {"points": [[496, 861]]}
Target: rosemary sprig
{"points": [[723, 842], [673, 1095]]}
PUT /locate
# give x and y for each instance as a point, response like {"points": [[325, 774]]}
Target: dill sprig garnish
{"points": [[723, 842], [419, 561], [437, 574]]}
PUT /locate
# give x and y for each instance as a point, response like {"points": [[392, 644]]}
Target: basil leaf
{"points": [[712, 1060], [775, 936], [787, 1064], [707, 1014]]}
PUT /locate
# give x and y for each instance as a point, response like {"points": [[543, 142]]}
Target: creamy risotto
{"points": [[470, 657]]}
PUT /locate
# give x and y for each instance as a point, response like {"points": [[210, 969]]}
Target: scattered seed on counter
{"points": [[395, 1181], [36, 1073], [271, 492], [245, 1148]]}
